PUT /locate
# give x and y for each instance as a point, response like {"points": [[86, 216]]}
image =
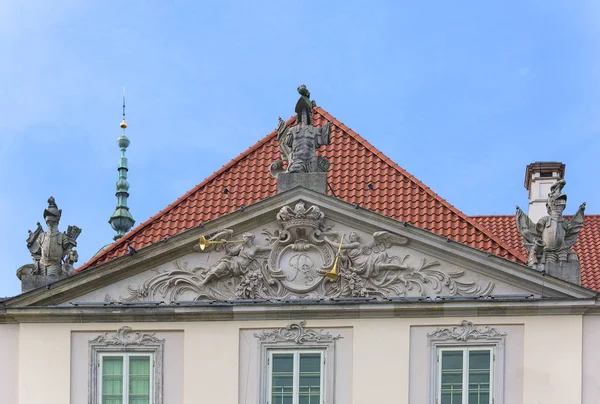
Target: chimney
{"points": [[539, 177]]}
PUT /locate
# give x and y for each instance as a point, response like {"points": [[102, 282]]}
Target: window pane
{"points": [[112, 380], [139, 380], [310, 378], [479, 376], [452, 375], [282, 379]]}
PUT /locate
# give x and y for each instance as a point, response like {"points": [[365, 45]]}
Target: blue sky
{"points": [[461, 94]]}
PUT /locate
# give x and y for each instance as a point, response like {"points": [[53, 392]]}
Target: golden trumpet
{"points": [[333, 273], [205, 243]]}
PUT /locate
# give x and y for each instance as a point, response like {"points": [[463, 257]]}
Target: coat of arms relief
{"points": [[292, 261]]}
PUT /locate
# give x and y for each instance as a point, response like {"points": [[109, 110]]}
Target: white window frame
{"points": [[468, 335], [296, 372], [126, 342], [126, 357], [465, 369], [297, 337]]}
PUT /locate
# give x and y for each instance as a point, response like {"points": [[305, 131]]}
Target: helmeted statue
{"points": [[50, 248], [298, 144], [550, 240]]}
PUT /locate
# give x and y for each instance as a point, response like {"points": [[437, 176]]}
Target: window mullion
{"points": [[492, 367], [125, 378], [465, 394], [438, 382], [322, 363], [151, 379], [99, 378], [270, 377], [296, 378]]}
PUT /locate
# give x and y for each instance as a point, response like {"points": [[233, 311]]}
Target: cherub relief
{"points": [[239, 259], [369, 260]]}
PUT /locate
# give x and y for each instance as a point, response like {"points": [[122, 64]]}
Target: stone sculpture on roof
{"points": [[50, 248], [298, 144], [549, 242]]}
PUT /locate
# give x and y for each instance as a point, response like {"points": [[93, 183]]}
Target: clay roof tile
{"points": [[396, 193]]}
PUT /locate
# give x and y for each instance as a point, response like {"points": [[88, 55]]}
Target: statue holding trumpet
{"points": [[367, 261], [240, 255]]}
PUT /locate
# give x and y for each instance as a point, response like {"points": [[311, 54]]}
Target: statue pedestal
{"points": [[314, 181], [567, 271], [30, 282]]}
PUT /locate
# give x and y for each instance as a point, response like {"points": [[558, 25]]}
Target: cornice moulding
{"points": [[230, 312]]}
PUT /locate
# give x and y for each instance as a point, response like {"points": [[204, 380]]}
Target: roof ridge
{"points": [[395, 166], [173, 204]]}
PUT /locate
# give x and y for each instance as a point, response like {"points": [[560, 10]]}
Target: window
{"points": [[295, 365], [126, 368], [296, 377], [465, 375], [125, 378], [467, 364]]}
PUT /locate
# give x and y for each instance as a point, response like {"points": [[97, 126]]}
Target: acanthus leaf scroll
{"points": [[466, 331], [298, 333], [293, 260]]}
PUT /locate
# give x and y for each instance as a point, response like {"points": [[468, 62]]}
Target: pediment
{"points": [[286, 247]]}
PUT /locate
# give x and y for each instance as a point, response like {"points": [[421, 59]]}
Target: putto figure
{"points": [[298, 144], [49, 248], [238, 260], [551, 238]]}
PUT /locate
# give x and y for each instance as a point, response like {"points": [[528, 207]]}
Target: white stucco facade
{"points": [[52, 359]]}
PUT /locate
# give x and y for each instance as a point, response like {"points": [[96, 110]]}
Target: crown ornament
{"points": [[300, 216]]}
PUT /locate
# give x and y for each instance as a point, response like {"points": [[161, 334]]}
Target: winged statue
{"points": [[551, 239], [371, 259]]}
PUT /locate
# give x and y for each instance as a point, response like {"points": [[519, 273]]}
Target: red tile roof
{"points": [[395, 193], [587, 245]]}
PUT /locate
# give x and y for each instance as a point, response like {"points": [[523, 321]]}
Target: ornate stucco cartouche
{"points": [[293, 261]]}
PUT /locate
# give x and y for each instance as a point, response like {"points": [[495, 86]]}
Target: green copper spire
{"points": [[122, 221]]}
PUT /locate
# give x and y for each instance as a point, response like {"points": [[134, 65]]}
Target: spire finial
{"points": [[122, 221], [123, 123]]}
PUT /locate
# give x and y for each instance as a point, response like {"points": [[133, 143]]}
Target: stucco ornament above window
{"points": [[292, 263], [124, 336], [295, 332], [466, 331]]}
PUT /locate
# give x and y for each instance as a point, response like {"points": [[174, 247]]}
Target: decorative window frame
{"points": [[467, 335], [124, 340], [295, 337]]}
